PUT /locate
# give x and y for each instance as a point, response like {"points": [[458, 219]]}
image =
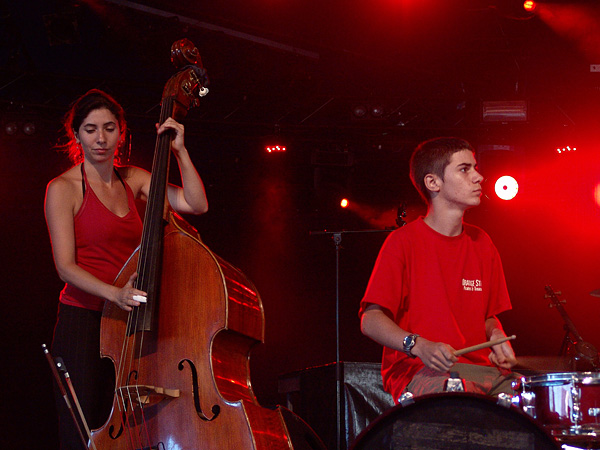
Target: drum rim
{"points": [[559, 378]]}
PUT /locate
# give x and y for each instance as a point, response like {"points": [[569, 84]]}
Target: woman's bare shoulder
{"points": [[66, 181], [64, 192]]}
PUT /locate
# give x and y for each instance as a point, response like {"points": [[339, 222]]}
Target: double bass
{"points": [[182, 358]]}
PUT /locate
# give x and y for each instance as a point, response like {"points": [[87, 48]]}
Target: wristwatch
{"points": [[408, 343]]}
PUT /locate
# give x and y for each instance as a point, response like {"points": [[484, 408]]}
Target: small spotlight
{"points": [[567, 149], [275, 148], [529, 5], [377, 111], [11, 128], [29, 128], [359, 111], [506, 187], [344, 203]]}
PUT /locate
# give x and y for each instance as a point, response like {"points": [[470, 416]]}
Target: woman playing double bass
{"points": [[94, 227]]}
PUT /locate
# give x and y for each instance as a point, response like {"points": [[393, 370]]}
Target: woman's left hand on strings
{"points": [[177, 144]]}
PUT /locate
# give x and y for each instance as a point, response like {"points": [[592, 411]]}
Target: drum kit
{"points": [[547, 411], [566, 404]]}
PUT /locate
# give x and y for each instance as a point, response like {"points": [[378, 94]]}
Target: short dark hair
{"points": [[90, 101], [433, 156]]}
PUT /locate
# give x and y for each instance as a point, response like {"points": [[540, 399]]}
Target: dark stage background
{"points": [[429, 68]]}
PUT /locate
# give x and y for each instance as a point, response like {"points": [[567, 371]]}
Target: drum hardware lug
{"points": [[528, 404], [507, 400], [594, 412], [406, 399], [454, 383], [516, 384], [576, 414]]}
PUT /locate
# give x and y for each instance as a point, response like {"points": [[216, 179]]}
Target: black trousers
{"points": [[77, 342]]}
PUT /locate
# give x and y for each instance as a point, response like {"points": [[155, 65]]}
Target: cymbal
{"points": [[595, 293]]}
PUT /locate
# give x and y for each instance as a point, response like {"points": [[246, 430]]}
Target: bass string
{"points": [[153, 219], [132, 399], [123, 392], [128, 393]]}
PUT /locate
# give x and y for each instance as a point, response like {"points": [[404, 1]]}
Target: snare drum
{"points": [[567, 404]]}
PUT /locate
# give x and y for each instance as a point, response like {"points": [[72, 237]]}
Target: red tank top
{"points": [[103, 243]]}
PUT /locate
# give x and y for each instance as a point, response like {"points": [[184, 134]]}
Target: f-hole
{"points": [[216, 409]]}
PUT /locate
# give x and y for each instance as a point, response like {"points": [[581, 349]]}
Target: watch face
{"points": [[409, 341]]}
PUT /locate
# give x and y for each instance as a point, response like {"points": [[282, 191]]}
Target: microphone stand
{"points": [[337, 240]]}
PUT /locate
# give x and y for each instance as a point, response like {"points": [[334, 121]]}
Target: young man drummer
{"points": [[438, 285]]}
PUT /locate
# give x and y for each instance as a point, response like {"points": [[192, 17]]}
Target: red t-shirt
{"points": [[103, 243], [442, 288]]}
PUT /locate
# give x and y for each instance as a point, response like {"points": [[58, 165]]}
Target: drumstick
{"points": [[483, 345]]}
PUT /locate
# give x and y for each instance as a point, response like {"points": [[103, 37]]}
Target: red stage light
{"points": [[344, 203], [506, 187], [529, 5]]}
